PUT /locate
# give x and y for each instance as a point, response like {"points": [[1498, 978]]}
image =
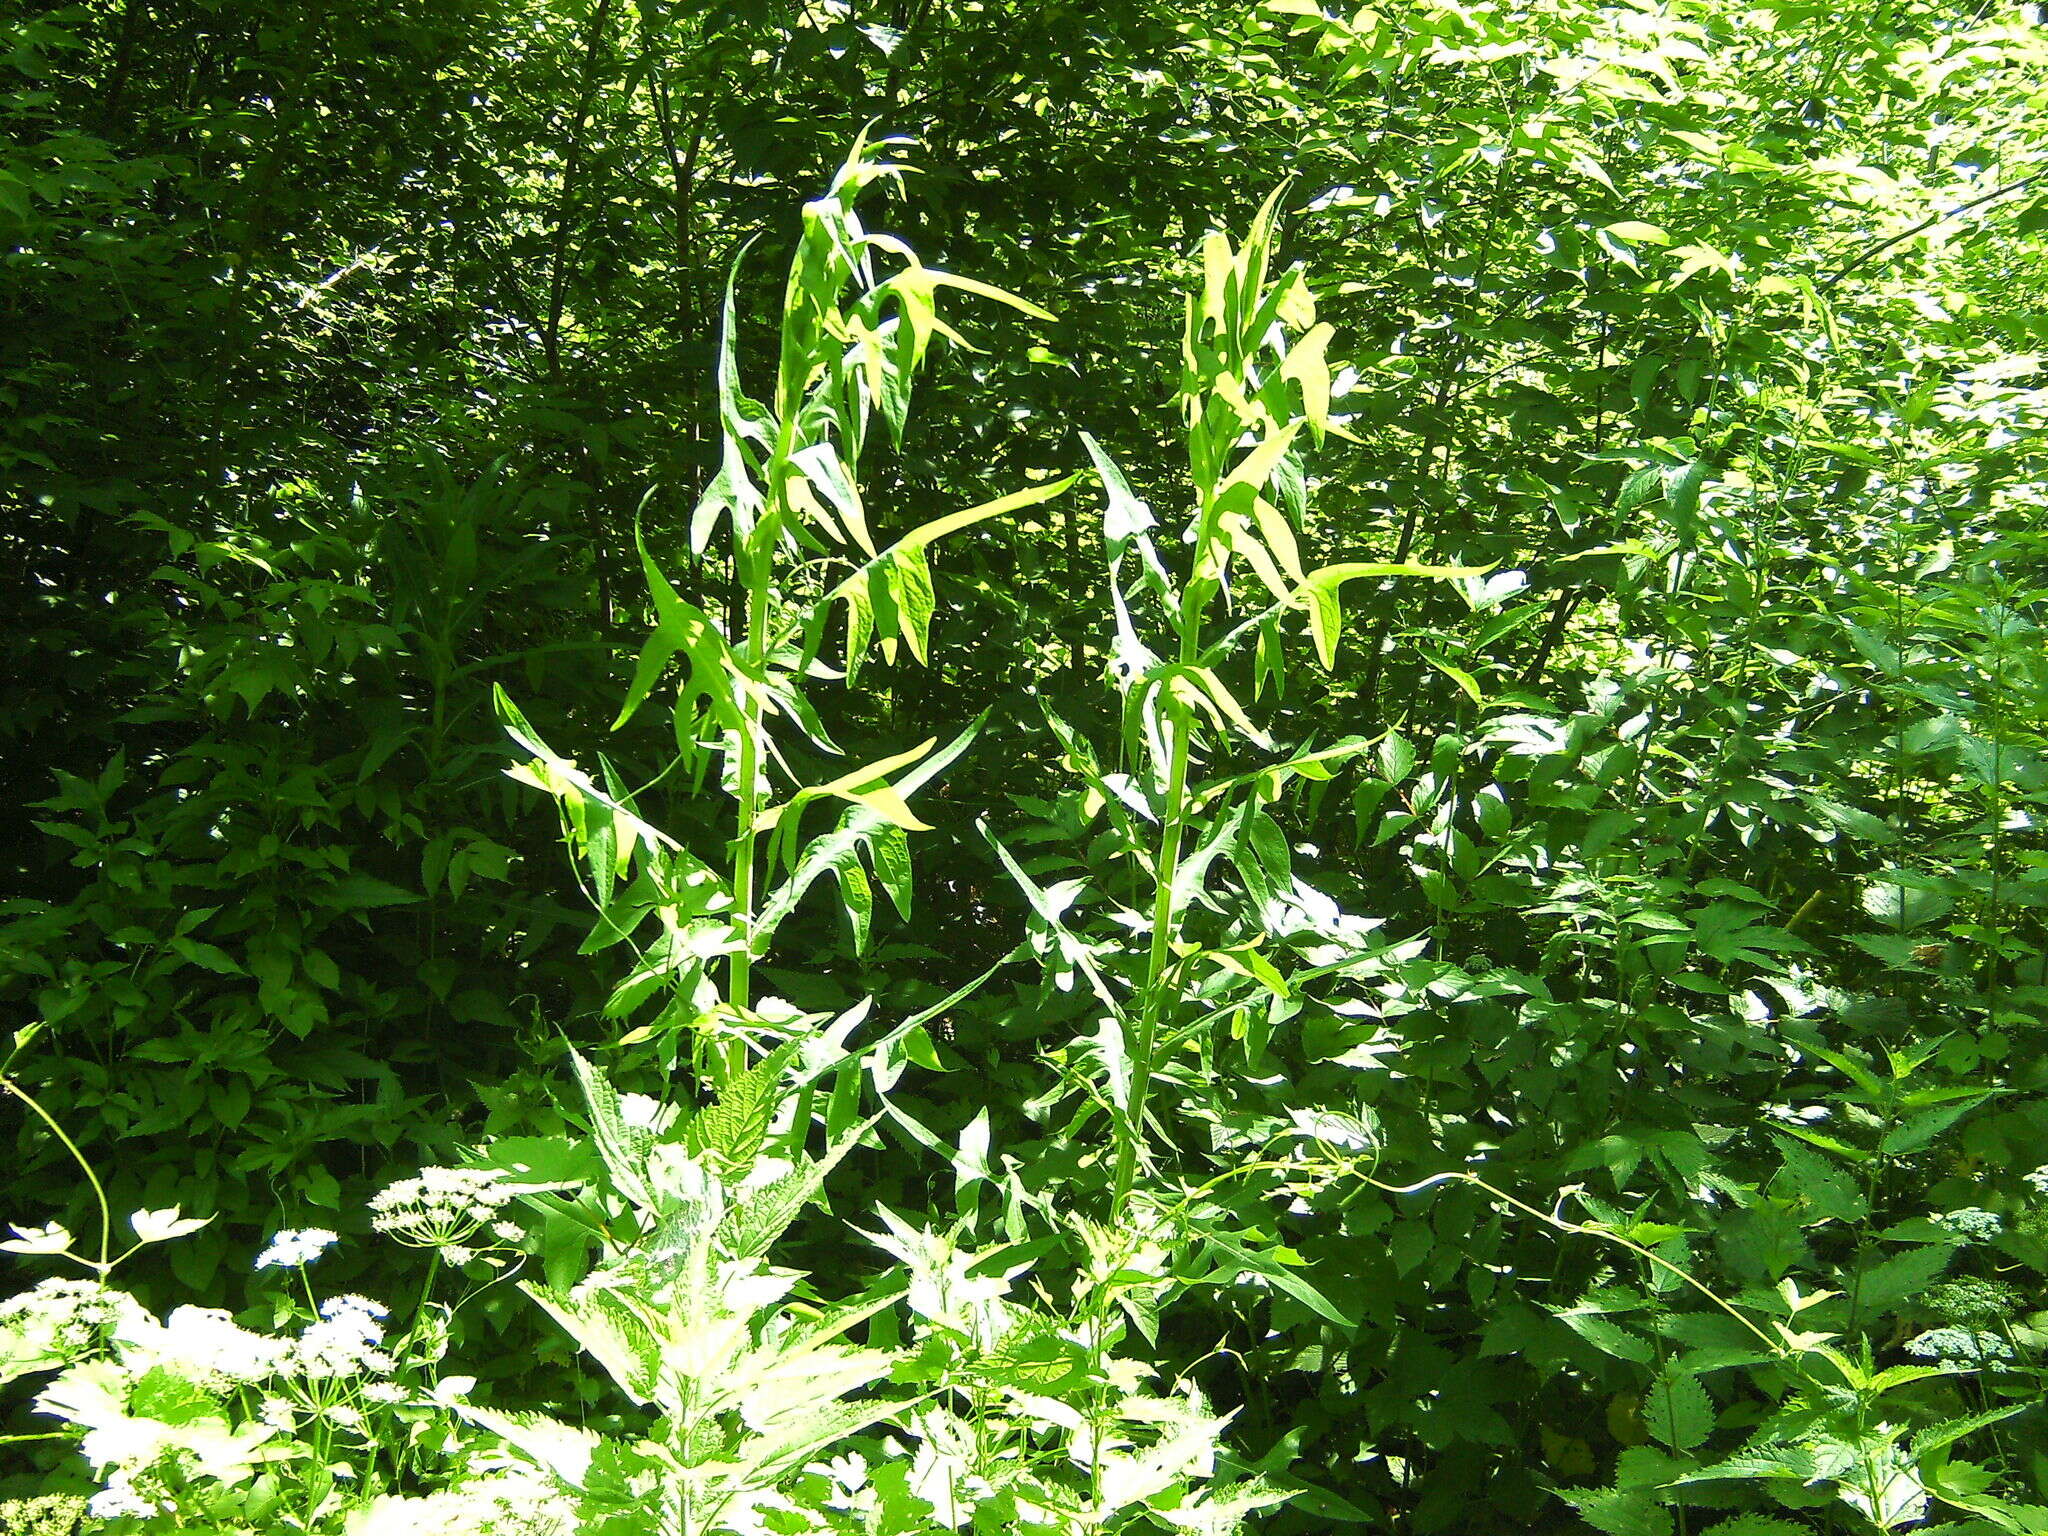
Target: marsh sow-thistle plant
{"points": [[757, 1410], [852, 344], [1007, 1415], [1180, 805]]}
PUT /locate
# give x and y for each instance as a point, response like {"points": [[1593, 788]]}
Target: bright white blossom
{"points": [[208, 1347], [442, 1206], [119, 1498], [2038, 1179], [352, 1305], [1960, 1346], [58, 1319], [346, 1341], [519, 1504], [278, 1414], [295, 1250], [1972, 1224]]}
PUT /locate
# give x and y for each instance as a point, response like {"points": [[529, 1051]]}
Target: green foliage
{"points": [[1574, 1048]]}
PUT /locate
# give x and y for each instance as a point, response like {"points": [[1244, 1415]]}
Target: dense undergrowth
{"points": [[1442, 936]]}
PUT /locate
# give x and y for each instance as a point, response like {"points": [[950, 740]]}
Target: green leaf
{"points": [[1608, 1338], [1880, 1287], [1319, 594], [1621, 1511], [1936, 1437], [360, 892], [1901, 906], [1677, 1411], [866, 786], [1283, 1277], [1397, 756], [206, 956], [1126, 515], [1916, 1131], [623, 1145], [1467, 683]]}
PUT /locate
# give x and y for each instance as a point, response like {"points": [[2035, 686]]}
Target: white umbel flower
{"points": [[119, 1498], [208, 1347], [442, 1206], [295, 1250], [512, 1505], [59, 1319], [346, 1341]]}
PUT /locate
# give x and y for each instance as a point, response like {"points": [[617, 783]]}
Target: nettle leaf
{"points": [[1916, 1131], [1244, 1261], [1607, 1337], [736, 1124], [1938, 1437], [563, 1449], [622, 1144], [1776, 1463], [1829, 1193], [1882, 1286], [1677, 1411], [606, 1328], [1900, 905], [1621, 1511]]}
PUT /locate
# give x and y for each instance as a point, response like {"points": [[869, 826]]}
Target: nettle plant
{"points": [[1869, 1374]]}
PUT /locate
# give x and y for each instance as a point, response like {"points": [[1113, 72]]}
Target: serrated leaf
{"points": [[1882, 1286], [1621, 1511], [1677, 1411], [1608, 1338]]}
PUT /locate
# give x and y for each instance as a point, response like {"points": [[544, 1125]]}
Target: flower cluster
{"points": [[1973, 1303], [443, 1208], [44, 1514], [121, 1497], [2038, 1180], [348, 1340], [209, 1348], [516, 1504], [295, 1250], [1960, 1346], [59, 1320], [1972, 1224]]}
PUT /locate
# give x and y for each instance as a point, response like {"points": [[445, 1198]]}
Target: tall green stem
{"points": [[1180, 728], [739, 974], [1153, 1003]]}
